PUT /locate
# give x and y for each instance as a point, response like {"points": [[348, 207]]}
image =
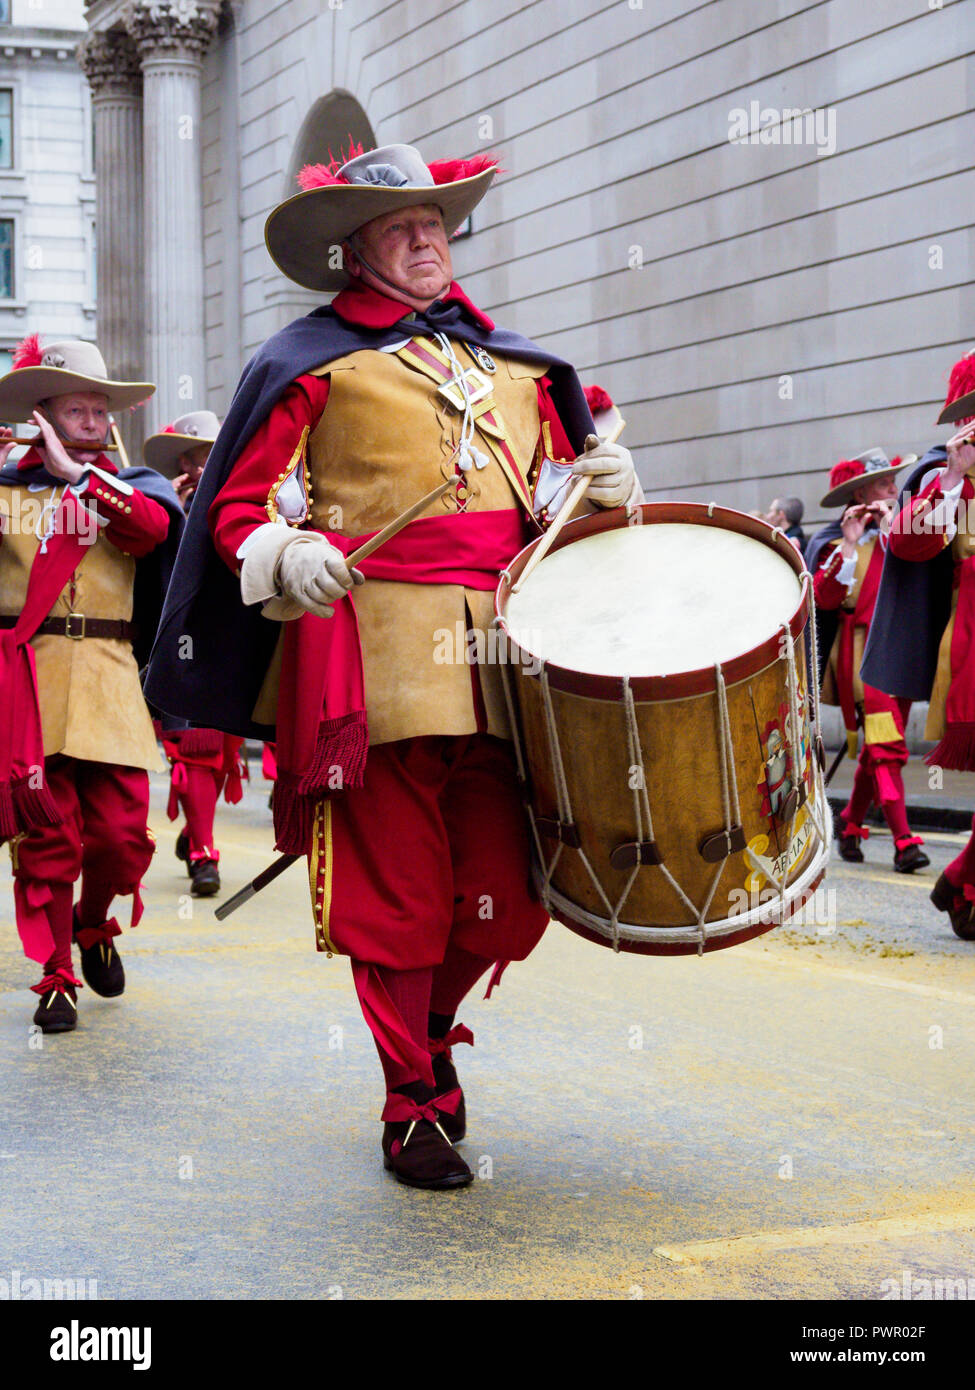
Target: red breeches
{"points": [[103, 839]]}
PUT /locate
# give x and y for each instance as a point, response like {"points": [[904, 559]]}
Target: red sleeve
{"points": [[829, 592], [246, 499], [910, 538], [561, 450], [136, 524]]}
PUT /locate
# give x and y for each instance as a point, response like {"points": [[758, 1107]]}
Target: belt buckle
{"points": [[75, 636]]}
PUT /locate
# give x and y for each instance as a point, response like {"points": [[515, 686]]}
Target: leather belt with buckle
{"points": [[78, 626]]}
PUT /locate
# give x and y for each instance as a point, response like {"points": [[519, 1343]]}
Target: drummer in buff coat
{"points": [[846, 560], [86, 553], [418, 854], [204, 762], [922, 645]]}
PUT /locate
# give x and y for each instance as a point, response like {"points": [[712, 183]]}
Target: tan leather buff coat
{"points": [[90, 696], [386, 437]]}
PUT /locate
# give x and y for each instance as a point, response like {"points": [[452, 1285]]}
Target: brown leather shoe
{"points": [[961, 912], [908, 856], [101, 964], [415, 1148], [849, 840], [57, 1011], [445, 1079]]}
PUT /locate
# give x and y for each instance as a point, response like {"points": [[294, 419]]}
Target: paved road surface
{"points": [[791, 1118]]}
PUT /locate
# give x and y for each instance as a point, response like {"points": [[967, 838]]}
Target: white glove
{"points": [[312, 573], [611, 466], [292, 572]]}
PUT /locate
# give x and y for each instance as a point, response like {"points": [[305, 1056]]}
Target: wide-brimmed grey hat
{"points": [[303, 233], [870, 466], [163, 451], [60, 369]]}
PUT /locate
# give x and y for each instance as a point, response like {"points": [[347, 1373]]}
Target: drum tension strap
{"points": [[722, 844], [633, 852], [565, 830]]}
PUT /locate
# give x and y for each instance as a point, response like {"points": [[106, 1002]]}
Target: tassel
{"points": [[339, 761], [956, 751]]}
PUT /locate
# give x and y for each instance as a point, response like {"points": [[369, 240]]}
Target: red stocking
{"points": [[58, 912], [860, 797], [409, 992], [453, 979]]}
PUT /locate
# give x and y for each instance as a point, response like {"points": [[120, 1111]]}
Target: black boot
{"points": [[445, 1077], [415, 1147], [909, 858], [183, 848], [206, 878], [101, 965], [849, 844], [961, 913], [58, 1010]]}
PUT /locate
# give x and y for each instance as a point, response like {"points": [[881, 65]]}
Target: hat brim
{"points": [[958, 410], [300, 233], [163, 451], [23, 389], [845, 491]]}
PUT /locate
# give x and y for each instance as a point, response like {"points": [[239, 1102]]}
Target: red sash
{"points": [[322, 734]]}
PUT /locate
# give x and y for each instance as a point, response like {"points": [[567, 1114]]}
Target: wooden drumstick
{"points": [[563, 514], [387, 533]]}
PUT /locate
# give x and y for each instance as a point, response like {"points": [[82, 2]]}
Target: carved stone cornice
{"points": [[178, 29], [110, 61]]}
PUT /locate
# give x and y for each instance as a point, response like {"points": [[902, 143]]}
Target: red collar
{"points": [[365, 306], [32, 459]]}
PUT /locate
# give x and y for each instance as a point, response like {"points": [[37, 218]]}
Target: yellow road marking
{"points": [[799, 1237]]}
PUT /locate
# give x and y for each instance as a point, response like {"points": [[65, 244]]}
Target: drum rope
{"points": [[566, 817]]}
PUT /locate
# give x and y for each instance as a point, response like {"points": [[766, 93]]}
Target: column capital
{"points": [[178, 29], [110, 62]]}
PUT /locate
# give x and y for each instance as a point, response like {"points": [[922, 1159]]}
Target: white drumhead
{"points": [[653, 600]]}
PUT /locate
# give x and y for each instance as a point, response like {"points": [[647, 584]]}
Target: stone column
{"points": [[171, 40], [111, 64]]}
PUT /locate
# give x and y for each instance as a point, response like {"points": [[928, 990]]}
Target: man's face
{"points": [[193, 462], [82, 418], [409, 248], [877, 490], [776, 515]]}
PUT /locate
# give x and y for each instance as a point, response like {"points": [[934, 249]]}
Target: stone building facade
{"points": [[47, 182], [748, 219]]}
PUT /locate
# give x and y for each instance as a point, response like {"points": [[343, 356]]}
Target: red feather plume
{"points": [[170, 429], [322, 175], [29, 352], [597, 399], [961, 381], [450, 170], [845, 470]]}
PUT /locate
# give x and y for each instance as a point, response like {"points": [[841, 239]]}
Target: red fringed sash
{"points": [[25, 799], [322, 734], [957, 749]]}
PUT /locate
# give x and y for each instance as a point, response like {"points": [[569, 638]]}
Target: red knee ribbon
{"points": [[858, 832], [87, 937], [401, 1108], [59, 980], [458, 1034]]}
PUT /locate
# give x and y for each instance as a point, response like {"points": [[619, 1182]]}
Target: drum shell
{"points": [[681, 738]]}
